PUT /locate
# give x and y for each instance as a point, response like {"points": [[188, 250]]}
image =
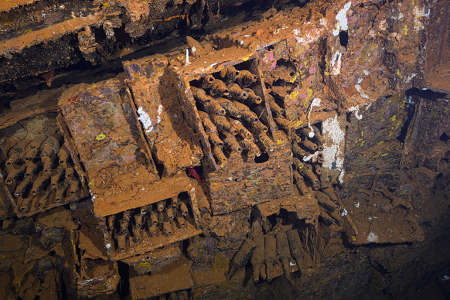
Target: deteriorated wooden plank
{"points": [[158, 106], [239, 184], [109, 144], [431, 120]]}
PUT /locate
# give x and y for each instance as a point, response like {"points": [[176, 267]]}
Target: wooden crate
{"points": [[33, 152], [100, 121], [173, 144], [241, 178], [144, 229]]}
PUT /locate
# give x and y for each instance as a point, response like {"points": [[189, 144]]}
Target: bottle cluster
{"points": [[267, 246], [163, 218], [39, 173], [307, 146], [232, 114], [278, 113]]}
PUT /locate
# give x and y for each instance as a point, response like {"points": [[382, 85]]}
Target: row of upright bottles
{"points": [[162, 218], [307, 147]]}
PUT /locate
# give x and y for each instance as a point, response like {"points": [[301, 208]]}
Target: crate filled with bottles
{"points": [[234, 116], [37, 168], [144, 229]]}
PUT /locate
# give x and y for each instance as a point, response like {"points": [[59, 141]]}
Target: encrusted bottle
{"points": [[247, 114], [270, 255], [160, 205], [33, 147], [297, 150], [269, 145], [295, 245], [241, 257], [56, 176], [229, 74], [214, 108], [169, 213], [60, 192], [221, 158], [74, 185], [51, 145], [252, 97], [258, 127], [48, 163], [39, 184], [246, 79], [167, 228], [242, 131], [310, 145], [283, 252], [296, 138], [181, 221], [201, 96], [63, 155], [174, 202], [318, 169], [24, 185], [44, 199], [69, 171], [206, 121], [125, 221], [252, 148], [207, 81], [16, 152], [15, 172], [309, 174], [111, 220], [236, 92], [282, 122], [274, 106], [215, 139], [153, 218], [222, 123], [231, 142], [25, 204], [300, 183], [184, 209], [229, 107], [218, 88]]}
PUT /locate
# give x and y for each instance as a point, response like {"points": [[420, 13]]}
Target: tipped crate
{"points": [[100, 121], [89, 273], [122, 163], [247, 157], [172, 142], [37, 169]]}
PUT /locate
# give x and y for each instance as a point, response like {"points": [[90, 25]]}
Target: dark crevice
{"points": [[262, 158], [322, 58], [444, 137], [159, 166], [124, 287], [343, 38]]}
